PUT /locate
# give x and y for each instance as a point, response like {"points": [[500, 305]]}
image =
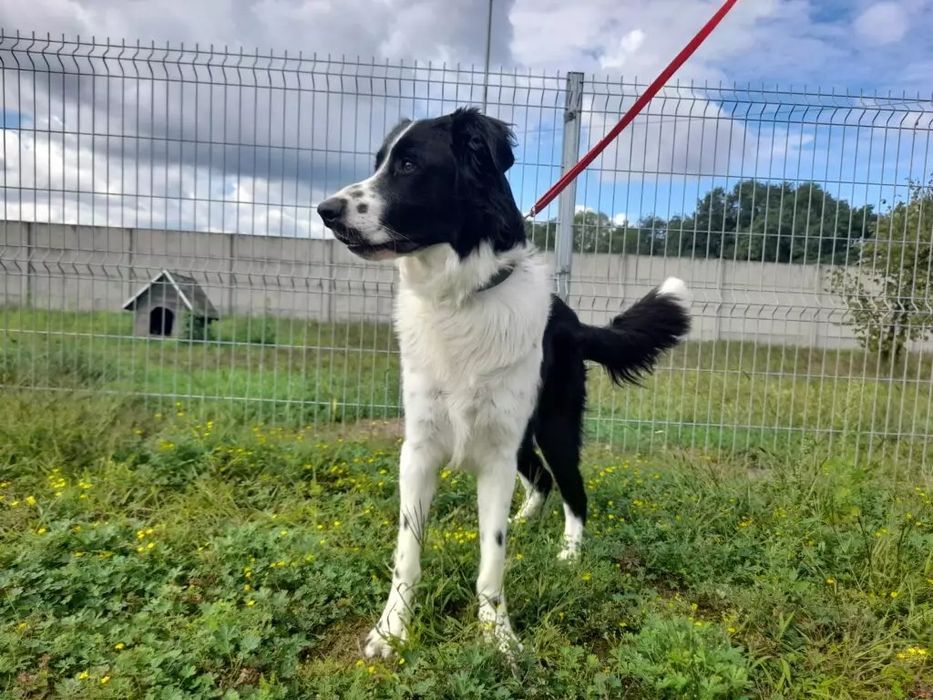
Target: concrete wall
{"points": [[96, 268]]}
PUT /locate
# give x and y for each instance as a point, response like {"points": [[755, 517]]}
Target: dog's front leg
{"points": [[418, 469], [495, 482]]}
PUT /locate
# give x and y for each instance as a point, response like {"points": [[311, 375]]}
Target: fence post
{"points": [[563, 244]]}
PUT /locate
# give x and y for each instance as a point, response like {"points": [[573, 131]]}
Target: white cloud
{"points": [[290, 161], [629, 45], [883, 22], [393, 29]]}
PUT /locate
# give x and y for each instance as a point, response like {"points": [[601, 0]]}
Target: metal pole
{"points": [[563, 244], [488, 53]]}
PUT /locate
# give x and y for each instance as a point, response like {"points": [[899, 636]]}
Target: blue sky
{"points": [[856, 46]]}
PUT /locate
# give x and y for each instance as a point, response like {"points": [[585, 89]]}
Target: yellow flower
{"points": [[913, 654], [41, 531], [104, 680], [79, 554], [894, 594], [250, 603], [30, 500], [830, 581], [119, 646], [247, 587], [150, 545], [586, 576], [22, 626], [83, 676]]}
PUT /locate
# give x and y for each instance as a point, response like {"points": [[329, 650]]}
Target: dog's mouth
{"points": [[386, 251], [357, 244]]}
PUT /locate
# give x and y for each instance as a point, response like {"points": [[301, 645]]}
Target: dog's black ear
{"points": [[483, 143], [397, 129], [483, 148]]}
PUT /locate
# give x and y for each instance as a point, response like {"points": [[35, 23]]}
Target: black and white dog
{"points": [[492, 363]]}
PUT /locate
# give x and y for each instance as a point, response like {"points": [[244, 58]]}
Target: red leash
{"points": [[633, 111]]}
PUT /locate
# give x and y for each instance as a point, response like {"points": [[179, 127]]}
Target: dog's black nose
{"points": [[330, 210]]}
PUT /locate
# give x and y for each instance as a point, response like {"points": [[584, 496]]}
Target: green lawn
{"points": [[730, 398], [159, 553]]}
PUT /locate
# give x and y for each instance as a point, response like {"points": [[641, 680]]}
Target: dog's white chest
{"points": [[471, 371]]}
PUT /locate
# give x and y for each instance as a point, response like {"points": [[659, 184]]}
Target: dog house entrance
{"points": [[161, 321]]}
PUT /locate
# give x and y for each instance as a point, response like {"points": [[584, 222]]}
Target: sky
{"points": [[173, 163]]}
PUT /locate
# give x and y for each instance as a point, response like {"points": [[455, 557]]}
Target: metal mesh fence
{"points": [[159, 239]]}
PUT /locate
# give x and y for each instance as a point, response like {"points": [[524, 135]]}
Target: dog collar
{"points": [[501, 276]]}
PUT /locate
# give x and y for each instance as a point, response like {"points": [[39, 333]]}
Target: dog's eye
{"points": [[407, 166]]}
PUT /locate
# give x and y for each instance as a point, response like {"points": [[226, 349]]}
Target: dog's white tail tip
{"points": [[677, 288]]}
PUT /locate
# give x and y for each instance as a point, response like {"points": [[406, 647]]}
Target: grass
{"points": [[726, 397], [216, 520], [159, 553]]}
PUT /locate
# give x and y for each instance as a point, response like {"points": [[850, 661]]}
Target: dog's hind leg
{"points": [[419, 465], [535, 479], [562, 453], [558, 432]]}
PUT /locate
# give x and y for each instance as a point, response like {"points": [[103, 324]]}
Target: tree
{"points": [[754, 220], [593, 232], [886, 294], [769, 222]]}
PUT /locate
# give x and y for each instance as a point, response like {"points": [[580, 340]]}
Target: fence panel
{"points": [[147, 190]]}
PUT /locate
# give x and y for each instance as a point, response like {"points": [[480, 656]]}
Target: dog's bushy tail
{"points": [[630, 346]]}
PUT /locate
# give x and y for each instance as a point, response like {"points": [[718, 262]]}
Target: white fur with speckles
{"points": [[471, 365]]}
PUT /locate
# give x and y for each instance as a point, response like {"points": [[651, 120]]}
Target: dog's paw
{"points": [[570, 552], [503, 636], [382, 639], [529, 508]]}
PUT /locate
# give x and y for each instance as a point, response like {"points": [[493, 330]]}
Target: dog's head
{"points": [[436, 181]]}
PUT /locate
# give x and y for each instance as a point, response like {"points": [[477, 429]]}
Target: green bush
{"points": [[678, 658], [196, 329]]}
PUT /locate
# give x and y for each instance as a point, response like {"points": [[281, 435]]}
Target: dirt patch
{"points": [[344, 643], [376, 431]]}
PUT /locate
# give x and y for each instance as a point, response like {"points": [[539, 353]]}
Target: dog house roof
{"points": [[189, 291]]}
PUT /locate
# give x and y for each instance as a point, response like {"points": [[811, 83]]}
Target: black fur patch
{"points": [[443, 181]]}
